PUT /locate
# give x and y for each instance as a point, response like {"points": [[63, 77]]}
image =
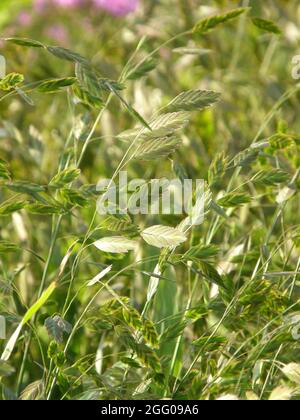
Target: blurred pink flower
{"points": [[67, 3], [118, 7], [24, 18], [115, 7], [57, 33], [41, 4]]}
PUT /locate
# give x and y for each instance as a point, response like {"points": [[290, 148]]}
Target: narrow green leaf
{"points": [[40, 302], [29, 314], [129, 108]]}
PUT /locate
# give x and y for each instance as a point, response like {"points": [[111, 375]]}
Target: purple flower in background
{"points": [[42, 4], [118, 7], [39, 5], [57, 33], [115, 7], [24, 18], [67, 3]]}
